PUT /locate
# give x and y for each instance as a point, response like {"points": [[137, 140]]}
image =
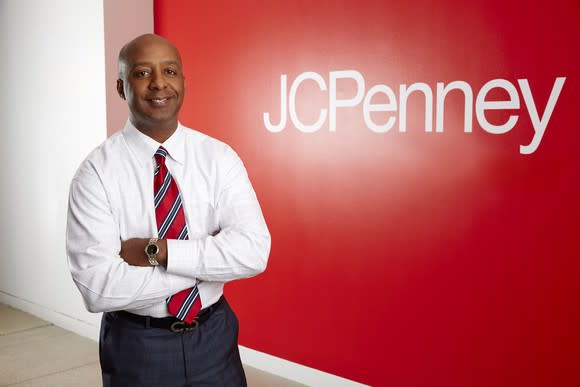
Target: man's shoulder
{"points": [[106, 153], [203, 142]]}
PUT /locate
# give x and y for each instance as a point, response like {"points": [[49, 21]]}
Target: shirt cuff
{"points": [[181, 257]]}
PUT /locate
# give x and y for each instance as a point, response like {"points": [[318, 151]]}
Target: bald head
{"points": [[151, 81], [129, 51]]}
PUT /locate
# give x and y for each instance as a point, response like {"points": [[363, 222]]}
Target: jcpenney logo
{"points": [[433, 99]]}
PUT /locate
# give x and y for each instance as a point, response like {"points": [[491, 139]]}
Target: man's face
{"points": [[153, 84]]}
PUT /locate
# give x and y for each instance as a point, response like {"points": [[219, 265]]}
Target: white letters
{"points": [[334, 102], [442, 92], [368, 107], [288, 105], [539, 124], [292, 102], [481, 105], [280, 127], [423, 87]]}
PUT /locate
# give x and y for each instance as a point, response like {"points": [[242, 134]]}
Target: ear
{"points": [[120, 89]]}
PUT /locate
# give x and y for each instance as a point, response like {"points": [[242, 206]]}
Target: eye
{"points": [[142, 74], [171, 72]]}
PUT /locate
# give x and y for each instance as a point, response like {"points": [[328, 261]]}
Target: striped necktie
{"points": [[171, 225]]}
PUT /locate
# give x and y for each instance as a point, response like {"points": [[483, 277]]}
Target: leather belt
{"points": [[171, 323]]}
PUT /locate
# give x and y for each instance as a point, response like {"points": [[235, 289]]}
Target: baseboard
{"points": [[64, 321], [262, 361], [292, 371]]}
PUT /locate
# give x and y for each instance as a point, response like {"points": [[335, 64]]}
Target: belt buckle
{"points": [[182, 326]]}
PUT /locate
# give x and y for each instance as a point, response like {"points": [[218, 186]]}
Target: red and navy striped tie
{"points": [[171, 225]]}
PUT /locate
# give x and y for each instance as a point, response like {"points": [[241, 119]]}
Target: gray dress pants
{"points": [[133, 355]]}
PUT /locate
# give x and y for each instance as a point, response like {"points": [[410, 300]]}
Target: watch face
{"points": [[152, 249]]}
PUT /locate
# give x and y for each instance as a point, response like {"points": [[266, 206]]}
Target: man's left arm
{"points": [[241, 248]]}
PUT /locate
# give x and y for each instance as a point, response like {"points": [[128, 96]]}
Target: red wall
{"points": [[401, 258]]}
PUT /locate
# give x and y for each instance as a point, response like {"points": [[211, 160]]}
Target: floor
{"points": [[35, 353]]}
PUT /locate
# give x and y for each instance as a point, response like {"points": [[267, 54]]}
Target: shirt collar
{"points": [[144, 147]]}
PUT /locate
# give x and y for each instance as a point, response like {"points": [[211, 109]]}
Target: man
{"points": [[160, 217]]}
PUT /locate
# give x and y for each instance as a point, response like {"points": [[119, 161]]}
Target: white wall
{"points": [[53, 113], [52, 99]]}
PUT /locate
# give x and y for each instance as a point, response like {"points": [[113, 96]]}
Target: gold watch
{"points": [[152, 249]]}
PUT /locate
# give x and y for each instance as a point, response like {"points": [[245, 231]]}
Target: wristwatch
{"points": [[152, 249]]}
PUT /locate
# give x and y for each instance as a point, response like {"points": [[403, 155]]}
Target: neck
{"points": [[159, 134]]}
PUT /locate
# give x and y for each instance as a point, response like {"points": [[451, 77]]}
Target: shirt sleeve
{"points": [[242, 246], [93, 243]]}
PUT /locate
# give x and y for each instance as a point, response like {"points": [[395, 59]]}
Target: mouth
{"points": [[159, 101]]}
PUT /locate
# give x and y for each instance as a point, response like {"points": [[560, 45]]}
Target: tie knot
{"points": [[160, 155]]}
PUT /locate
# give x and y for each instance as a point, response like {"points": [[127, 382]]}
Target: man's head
{"points": [[152, 82]]}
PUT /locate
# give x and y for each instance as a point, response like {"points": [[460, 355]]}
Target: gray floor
{"points": [[35, 353]]}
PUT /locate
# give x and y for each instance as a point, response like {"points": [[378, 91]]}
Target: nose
{"points": [[157, 80]]}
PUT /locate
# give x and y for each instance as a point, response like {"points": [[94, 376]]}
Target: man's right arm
{"points": [[93, 241]]}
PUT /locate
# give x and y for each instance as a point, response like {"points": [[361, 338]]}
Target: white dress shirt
{"points": [[111, 200]]}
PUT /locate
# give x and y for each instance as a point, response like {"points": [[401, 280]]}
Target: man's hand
{"points": [[133, 252]]}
